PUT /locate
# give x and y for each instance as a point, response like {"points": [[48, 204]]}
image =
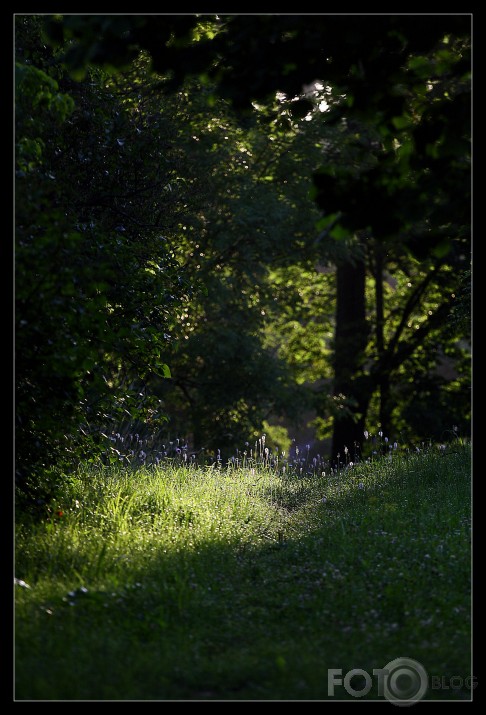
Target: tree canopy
{"points": [[230, 223]]}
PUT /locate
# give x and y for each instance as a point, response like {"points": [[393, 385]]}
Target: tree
{"points": [[423, 215], [226, 378], [391, 170], [99, 188]]}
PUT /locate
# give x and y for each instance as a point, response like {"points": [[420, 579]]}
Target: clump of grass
{"points": [[246, 580]]}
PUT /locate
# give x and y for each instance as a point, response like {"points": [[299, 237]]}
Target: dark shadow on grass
{"points": [[239, 621]]}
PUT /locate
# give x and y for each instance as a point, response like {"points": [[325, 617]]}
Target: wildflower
{"points": [[386, 439], [361, 485], [395, 445], [346, 450], [380, 434], [324, 500], [366, 434]]}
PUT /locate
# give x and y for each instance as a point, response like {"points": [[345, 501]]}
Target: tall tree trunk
{"points": [[351, 337]]}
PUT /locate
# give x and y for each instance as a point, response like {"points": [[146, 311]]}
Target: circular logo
{"points": [[407, 681]]}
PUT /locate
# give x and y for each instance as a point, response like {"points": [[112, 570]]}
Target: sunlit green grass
{"points": [[245, 584]]}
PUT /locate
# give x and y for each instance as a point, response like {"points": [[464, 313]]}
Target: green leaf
{"points": [[420, 65], [339, 233], [326, 221], [406, 149], [443, 248], [166, 371], [401, 122]]}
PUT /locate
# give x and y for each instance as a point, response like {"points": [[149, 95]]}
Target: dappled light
{"points": [[243, 272], [210, 576]]}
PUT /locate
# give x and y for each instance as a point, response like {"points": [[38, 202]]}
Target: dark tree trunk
{"points": [[351, 337]]}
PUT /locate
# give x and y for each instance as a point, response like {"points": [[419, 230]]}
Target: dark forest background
{"points": [[241, 224]]}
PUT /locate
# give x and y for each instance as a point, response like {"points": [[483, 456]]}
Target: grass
{"points": [[244, 583]]}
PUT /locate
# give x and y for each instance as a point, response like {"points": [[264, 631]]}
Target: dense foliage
{"points": [[235, 223]]}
